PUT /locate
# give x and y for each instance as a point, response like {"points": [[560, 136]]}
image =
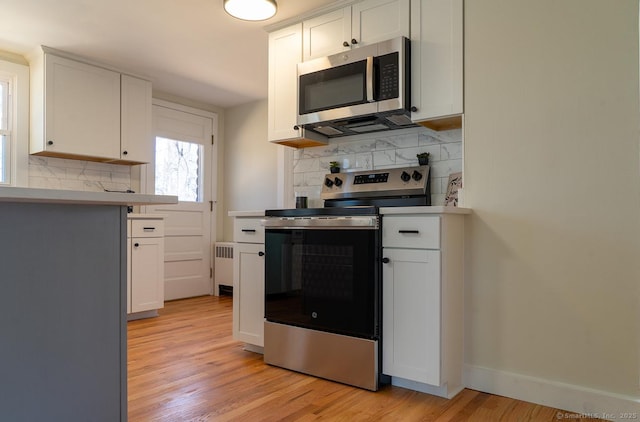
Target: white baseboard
{"points": [[144, 314], [253, 348], [574, 399], [443, 391]]}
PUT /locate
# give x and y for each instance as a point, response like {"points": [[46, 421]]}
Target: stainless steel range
{"points": [[323, 271]]}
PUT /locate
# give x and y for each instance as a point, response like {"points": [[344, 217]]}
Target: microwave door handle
{"points": [[370, 98]]}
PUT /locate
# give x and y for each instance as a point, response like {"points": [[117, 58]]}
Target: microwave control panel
{"points": [[388, 76]]}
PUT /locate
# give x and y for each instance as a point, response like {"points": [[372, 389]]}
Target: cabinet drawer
{"points": [[248, 230], [147, 228], [420, 231]]}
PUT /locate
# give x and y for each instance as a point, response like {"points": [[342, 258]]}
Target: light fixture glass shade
{"points": [[251, 10]]}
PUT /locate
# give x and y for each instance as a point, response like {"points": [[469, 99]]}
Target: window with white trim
{"points": [[5, 130]]}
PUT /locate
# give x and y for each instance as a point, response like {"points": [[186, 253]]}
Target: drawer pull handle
{"points": [[248, 230], [260, 253], [409, 231], [136, 244], [148, 229], [385, 260]]}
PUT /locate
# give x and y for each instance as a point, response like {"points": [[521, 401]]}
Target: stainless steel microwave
{"points": [[366, 89]]}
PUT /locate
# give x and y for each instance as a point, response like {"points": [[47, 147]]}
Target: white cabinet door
{"points": [[411, 342], [363, 23], [436, 58], [327, 34], [379, 20], [285, 52], [136, 137], [82, 104], [248, 293], [147, 275]]}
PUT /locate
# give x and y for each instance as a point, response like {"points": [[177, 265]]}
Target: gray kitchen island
{"points": [[63, 270]]}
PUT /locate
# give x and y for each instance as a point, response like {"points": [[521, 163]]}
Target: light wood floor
{"points": [[185, 366]]}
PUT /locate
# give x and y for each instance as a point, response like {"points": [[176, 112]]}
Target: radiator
{"points": [[223, 268]]}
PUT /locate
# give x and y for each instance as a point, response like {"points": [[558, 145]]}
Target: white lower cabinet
{"points": [[248, 282], [145, 265], [411, 291], [423, 302], [248, 293]]}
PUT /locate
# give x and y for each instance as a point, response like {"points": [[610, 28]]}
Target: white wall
{"points": [[250, 162], [552, 173]]}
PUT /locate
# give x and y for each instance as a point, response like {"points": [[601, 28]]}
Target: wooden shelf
{"points": [[445, 123]]}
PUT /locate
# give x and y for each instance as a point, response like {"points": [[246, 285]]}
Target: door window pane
{"points": [[178, 169]]}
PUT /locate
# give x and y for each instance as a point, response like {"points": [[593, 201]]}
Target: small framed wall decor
{"points": [[455, 183]]}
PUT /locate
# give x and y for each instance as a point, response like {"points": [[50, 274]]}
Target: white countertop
{"points": [[255, 213], [56, 196], [424, 210], [144, 216]]}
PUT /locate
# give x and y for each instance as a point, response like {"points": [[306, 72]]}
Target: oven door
{"points": [[324, 278]]}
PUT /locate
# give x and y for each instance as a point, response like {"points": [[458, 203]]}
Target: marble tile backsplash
{"points": [[59, 173], [380, 151]]}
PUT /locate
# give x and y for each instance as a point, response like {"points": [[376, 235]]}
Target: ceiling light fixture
{"points": [[251, 10]]}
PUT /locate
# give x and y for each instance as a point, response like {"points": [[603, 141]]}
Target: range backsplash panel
{"points": [[380, 151]]}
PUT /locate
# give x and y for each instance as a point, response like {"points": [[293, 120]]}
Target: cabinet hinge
{"points": [[211, 206], [212, 139], [210, 272]]}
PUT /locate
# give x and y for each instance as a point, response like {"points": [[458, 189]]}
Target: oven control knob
{"points": [[416, 175], [328, 182], [338, 181], [405, 176]]}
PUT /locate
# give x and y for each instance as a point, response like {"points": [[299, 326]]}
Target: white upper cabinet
{"points": [[363, 23], [136, 137], [435, 28], [327, 34], [436, 59], [82, 111], [78, 111], [379, 20], [285, 52]]}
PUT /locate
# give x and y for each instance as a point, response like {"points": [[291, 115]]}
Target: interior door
{"points": [[183, 166]]}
